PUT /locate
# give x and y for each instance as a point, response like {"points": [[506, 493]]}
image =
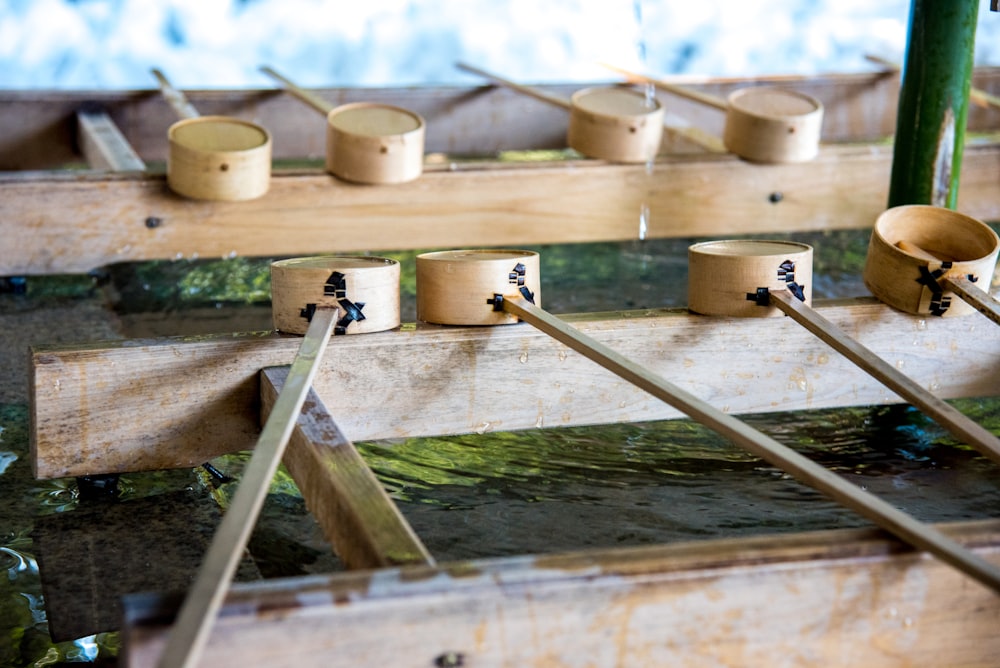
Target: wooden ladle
{"points": [[322, 295], [449, 283], [366, 142], [608, 123], [763, 124], [214, 157], [752, 277]]}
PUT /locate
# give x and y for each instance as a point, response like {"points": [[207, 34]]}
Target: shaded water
{"points": [[483, 495]]}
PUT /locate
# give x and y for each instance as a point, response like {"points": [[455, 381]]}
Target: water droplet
{"points": [[538, 422], [194, 256], [899, 364], [934, 387], [523, 359], [562, 355], [643, 221], [921, 324], [908, 622], [179, 256], [483, 428], [232, 255], [893, 612]]}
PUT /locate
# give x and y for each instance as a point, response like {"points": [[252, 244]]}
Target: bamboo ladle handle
{"points": [[964, 428], [197, 615], [311, 99], [680, 91], [525, 90], [884, 515], [978, 298], [175, 98]]}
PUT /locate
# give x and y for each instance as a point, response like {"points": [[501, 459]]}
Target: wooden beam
{"points": [[848, 597], [103, 145], [139, 405], [356, 514], [75, 223]]}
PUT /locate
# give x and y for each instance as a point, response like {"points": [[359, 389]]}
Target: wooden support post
{"points": [[358, 517], [933, 103], [103, 144]]}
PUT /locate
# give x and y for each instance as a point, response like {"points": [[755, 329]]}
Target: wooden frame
{"points": [[57, 221], [198, 398], [847, 597]]}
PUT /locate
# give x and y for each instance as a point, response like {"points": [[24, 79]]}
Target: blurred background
{"points": [[87, 44]]}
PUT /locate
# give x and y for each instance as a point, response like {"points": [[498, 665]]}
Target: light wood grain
{"points": [[204, 598], [356, 514], [57, 224], [833, 598], [103, 145], [975, 296], [152, 404]]}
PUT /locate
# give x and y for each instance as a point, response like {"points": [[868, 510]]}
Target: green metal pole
{"points": [[933, 103]]}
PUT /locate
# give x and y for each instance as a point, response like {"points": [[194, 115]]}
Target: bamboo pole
{"points": [[933, 103]]}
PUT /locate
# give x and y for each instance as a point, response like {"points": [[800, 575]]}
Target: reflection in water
{"points": [[563, 489]]}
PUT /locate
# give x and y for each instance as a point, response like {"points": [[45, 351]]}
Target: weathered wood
{"points": [[356, 514], [103, 145], [39, 125], [74, 223], [832, 598], [135, 405], [204, 598]]}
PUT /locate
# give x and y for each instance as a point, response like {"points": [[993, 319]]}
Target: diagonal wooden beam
{"points": [[356, 514], [103, 145]]}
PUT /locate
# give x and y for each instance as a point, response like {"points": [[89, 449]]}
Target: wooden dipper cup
{"points": [[608, 123], [214, 157], [365, 288], [763, 124], [921, 256], [756, 275], [366, 142], [326, 298], [719, 273], [502, 292]]}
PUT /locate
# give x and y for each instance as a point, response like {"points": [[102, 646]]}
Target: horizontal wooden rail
{"points": [[75, 223], [843, 597], [138, 405]]}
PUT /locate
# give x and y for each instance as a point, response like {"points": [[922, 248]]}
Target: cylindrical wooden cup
{"points": [[773, 125], [724, 276], [456, 287], [374, 143], [218, 158], [365, 288], [908, 280], [616, 124]]}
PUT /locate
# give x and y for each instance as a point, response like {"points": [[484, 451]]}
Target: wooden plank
{"points": [[137, 405], [833, 598], [356, 514], [103, 144], [76, 223], [38, 125]]}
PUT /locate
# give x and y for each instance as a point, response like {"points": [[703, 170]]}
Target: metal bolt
{"points": [[450, 660], [153, 222], [775, 197]]}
